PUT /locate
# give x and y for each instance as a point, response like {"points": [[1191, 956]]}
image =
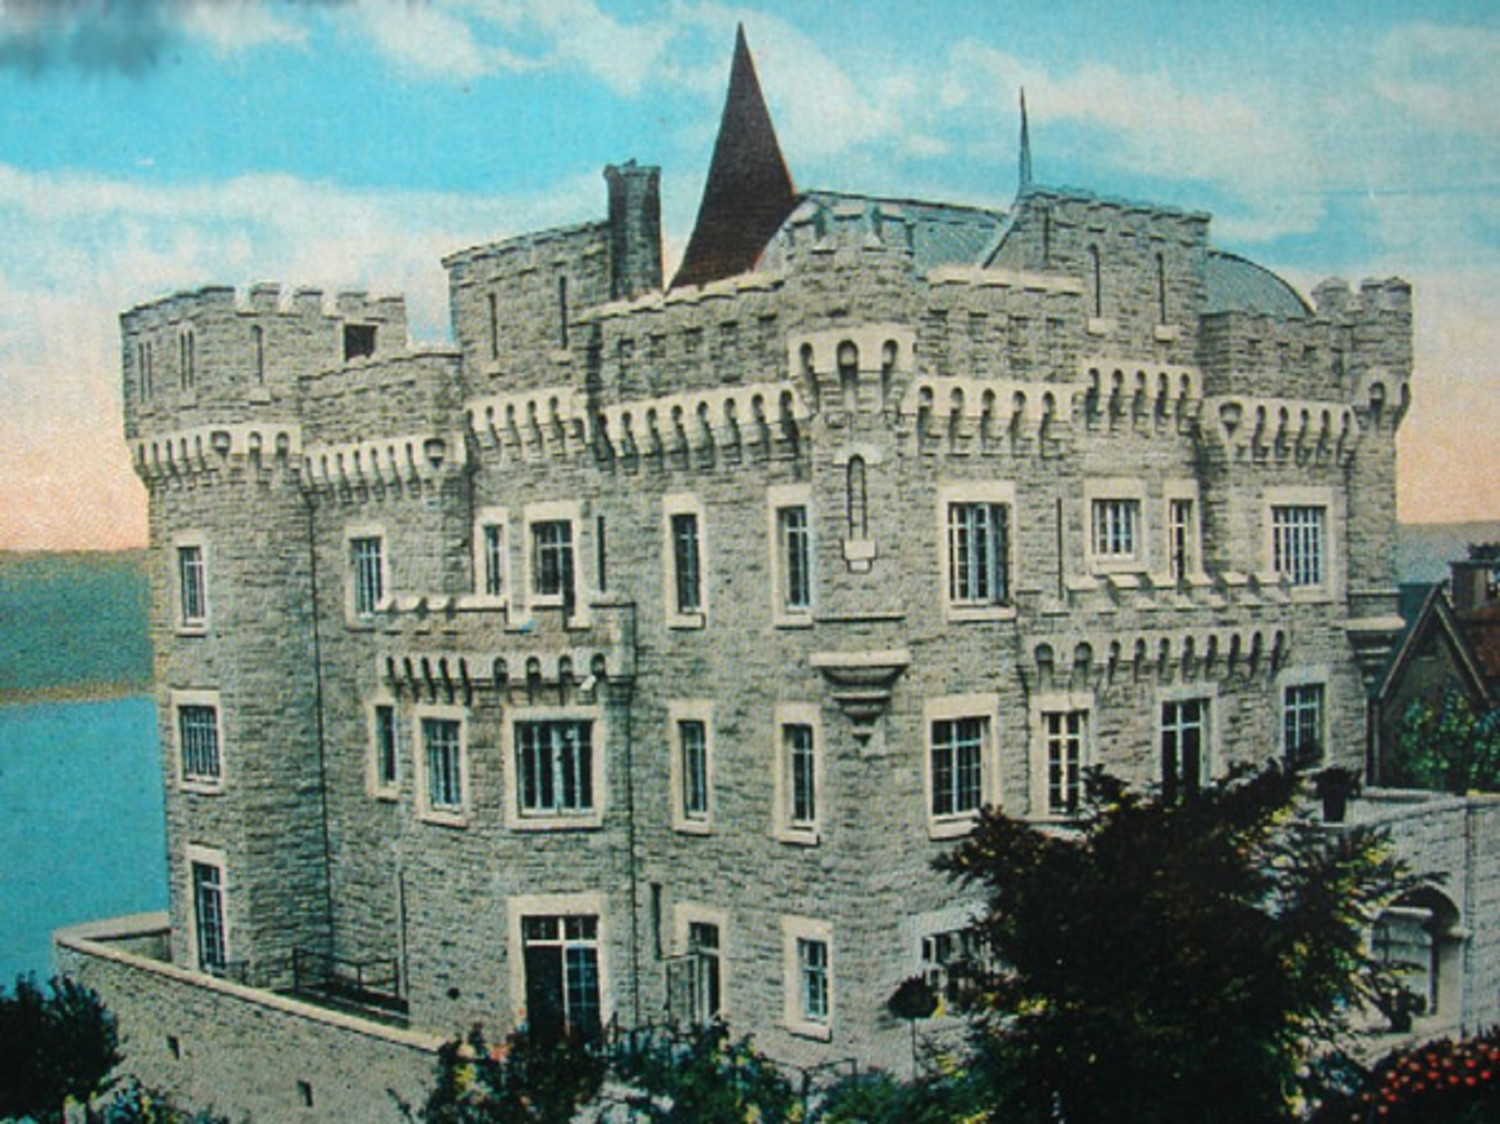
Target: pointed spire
{"points": [[1025, 145], [749, 191]]}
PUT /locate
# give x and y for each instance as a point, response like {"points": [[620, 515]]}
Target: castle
{"points": [[634, 657]]}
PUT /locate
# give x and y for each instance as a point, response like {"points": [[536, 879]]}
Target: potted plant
{"points": [[1334, 786]]}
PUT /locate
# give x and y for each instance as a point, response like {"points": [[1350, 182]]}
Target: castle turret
{"points": [[634, 229]]}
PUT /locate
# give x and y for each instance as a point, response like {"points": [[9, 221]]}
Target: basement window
{"points": [[359, 341]]}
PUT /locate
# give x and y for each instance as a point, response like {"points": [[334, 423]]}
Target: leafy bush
{"points": [[1443, 1082], [1447, 748], [59, 1046]]}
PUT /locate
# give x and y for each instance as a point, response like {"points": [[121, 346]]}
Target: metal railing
{"points": [[372, 985]]}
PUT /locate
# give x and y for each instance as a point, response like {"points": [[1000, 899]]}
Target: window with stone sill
{"points": [[210, 928], [444, 766], [367, 573], [978, 554], [1115, 530], [555, 767], [1185, 743], [385, 771], [192, 587], [1298, 543], [199, 750], [1302, 722], [808, 976]]}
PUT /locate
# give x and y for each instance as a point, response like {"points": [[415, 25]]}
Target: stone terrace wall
{"points": [[207, 1043]]}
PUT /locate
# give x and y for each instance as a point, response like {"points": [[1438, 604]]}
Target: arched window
{"points": [[857, 498], [1417, 936], [849, 371]]}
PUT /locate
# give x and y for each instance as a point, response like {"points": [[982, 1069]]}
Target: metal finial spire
{"points": [[1025, 145]]}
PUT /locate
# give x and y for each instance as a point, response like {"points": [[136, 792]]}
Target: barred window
{"points": [[365, 557], [555, 767], [443, 743], [978, 553], [1064, 731], [1116, 526], [1298, 545], [198, 735], [192, 589], [957, 753]]}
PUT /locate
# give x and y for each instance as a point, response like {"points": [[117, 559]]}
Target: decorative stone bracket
{"points": [[861, 682]]}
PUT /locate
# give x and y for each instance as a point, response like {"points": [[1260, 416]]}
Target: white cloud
{"points": [[232, 26], [1444, 77], [80, 248]]}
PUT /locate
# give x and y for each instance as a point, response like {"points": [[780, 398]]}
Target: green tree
{"points": [[524, 1080], [700, 1075], [57, 1046], [1180, 962], [1448, 747], [136, 1104]]}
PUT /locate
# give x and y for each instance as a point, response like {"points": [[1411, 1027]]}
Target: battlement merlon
{"points": [[214, 355]]}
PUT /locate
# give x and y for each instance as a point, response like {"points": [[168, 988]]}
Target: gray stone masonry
{"points": [[1071, 371]]}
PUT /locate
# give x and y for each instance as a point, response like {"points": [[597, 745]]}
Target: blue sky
{"points": [[167, 143]]}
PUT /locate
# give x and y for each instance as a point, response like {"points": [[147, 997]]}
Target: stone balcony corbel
{"points": [[861, 682]]}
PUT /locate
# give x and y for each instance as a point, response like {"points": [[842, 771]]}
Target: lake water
{"points": [[82, 828]]}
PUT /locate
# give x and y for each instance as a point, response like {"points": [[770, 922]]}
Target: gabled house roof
{"points": [[1478, 668]]}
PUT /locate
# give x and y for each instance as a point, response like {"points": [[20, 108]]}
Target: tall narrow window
{"points": [[956, 763], [1161, 289], [494, 559], [685, 563], [442, 742], [800, 749], [703, 948], [1097, 276], [552, 557], [1184, 747], [1064, 731], [1180, 538], [796, 558], [561, 960], [692, 743], [562, 312], [492, 310], [978, 554], [1302, 724], [258, 339], [208, 917], [856, 498], [198, 738], [385, 746], [812, 969], [368, 572], [192, 587], [1298, 543]]}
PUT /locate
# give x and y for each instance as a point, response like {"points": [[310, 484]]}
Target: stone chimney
{"points": [[634, 229], [1473, 578]]}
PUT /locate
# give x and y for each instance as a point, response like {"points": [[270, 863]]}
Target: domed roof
{"points": [[1234, 284]]}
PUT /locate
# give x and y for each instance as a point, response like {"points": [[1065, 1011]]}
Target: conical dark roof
{"points": [[749, 190]]}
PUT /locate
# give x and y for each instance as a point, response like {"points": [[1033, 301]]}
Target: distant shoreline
{"points": [[73, 692]]}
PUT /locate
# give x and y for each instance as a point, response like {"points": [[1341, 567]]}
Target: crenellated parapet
{"points": [[417, 389], [215, 355]]}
